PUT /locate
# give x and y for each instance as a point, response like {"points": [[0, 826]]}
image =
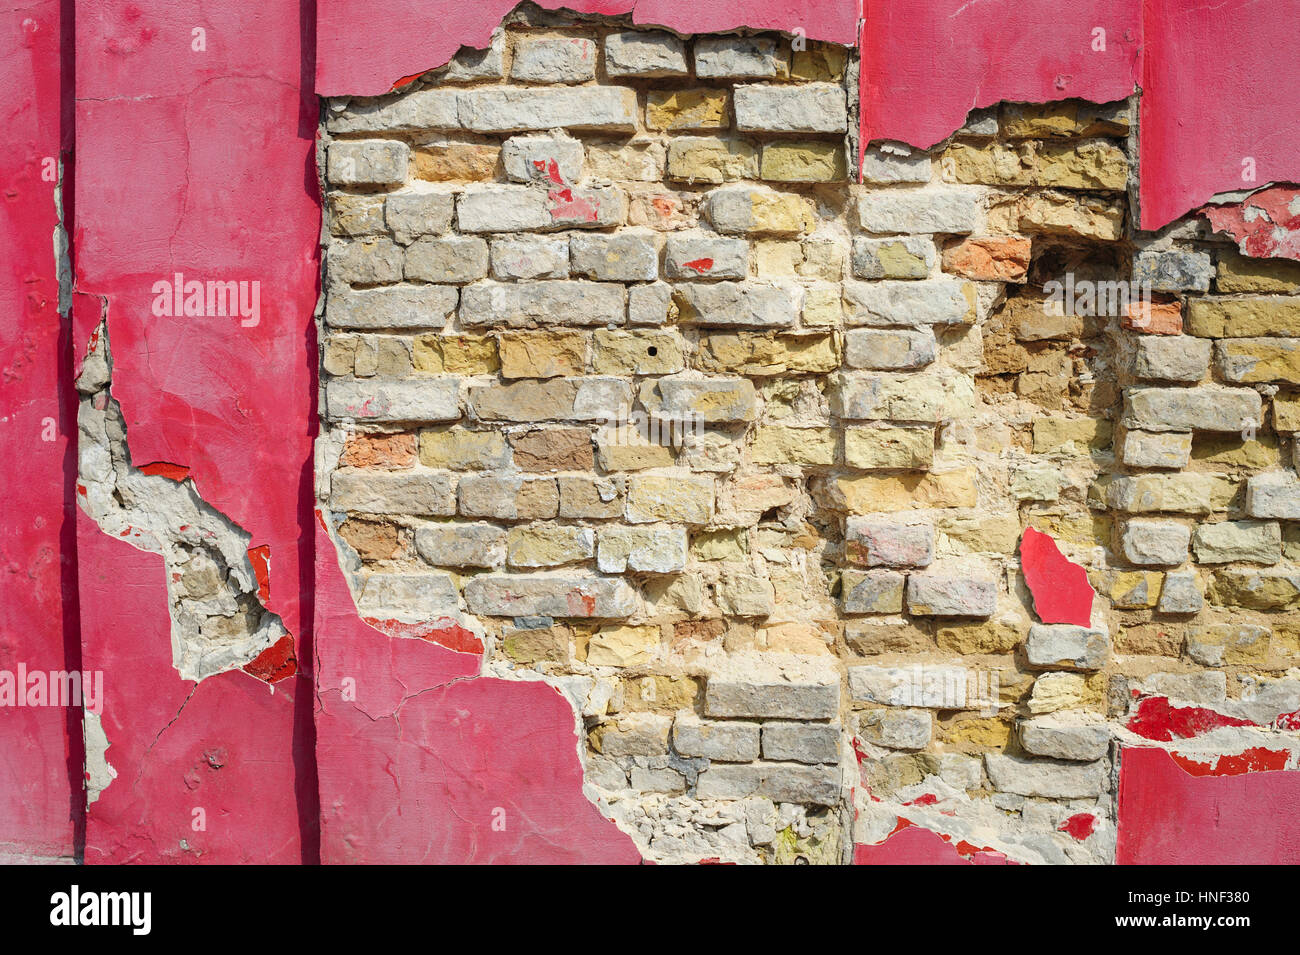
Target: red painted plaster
{"points": [[913, 845], [927, 63], [427, 763], [1168, 817], [1218, 87], [1266, 225], [1155, 719], [40, 748], [229, 745], [365, 48], [1059, 587]]}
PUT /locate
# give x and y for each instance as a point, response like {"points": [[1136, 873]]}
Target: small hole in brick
{"points": [[652, 351]]}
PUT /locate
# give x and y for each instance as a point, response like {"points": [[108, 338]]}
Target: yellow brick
{"points": [[803, 162], [1243, 317], [779, 444], [1062, 118], [1095, 164], [988, 637], [778, 258], [1060, 213], [818, 63], [1074, 435], [688, 109], [547, 545], [985, 732], [626, 449], [905, 448], [731, 544], [637, 353], [622, 646], [701, 159], [755, 353], [1241, 273], [456, 162], [997, 164], [543, 354], [902, 492], [456, 354], [538, 646], [823, 306], [1286, 412], [997, 535], [339, 352], [1251, 360], [660, 692], [462, 450], [1135, 590], [1230, 449]]}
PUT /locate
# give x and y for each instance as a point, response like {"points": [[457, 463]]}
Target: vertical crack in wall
{"points": [[218, 622]]}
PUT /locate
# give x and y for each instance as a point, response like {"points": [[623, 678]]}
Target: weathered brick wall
{"points": [[804, 609]]}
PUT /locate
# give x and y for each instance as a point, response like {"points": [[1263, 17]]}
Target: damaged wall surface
{"points": [[939, 565]]}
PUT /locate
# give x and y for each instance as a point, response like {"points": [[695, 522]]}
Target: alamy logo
{"points": [[75, 907], [1102, 299], [177, 297], [52, 688]]}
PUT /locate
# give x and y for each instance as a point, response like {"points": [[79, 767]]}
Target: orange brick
{"points": [[998, 258], [1160, 318], [388, 451]]}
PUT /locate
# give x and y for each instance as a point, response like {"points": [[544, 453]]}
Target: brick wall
{"points": [[626, 373]]}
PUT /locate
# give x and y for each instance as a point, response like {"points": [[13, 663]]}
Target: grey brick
{"points": [[800, 108], [896, 729], [411, 214], [542, 159], [930, 302], [801, 742], [703, 256], [372, 162], [887, 162], [1252, 542], [739, 57], [1046, 779], [1058, 738], [873, 591], [409, 597], [729, 741], [366, 492], [900, 257], [1275, 495], [939, 595], [522, 304], [627, 256], [1172, 358], [1174, 271], [1066, 646], [1155, 543], [397, 306], [425, 399], [712, 400], [462, 545], [641, 53], [530, 257], [452, 260], [365, 262], [516, 109], [779, 782], [785, 700], [563, 596], [951, 211], [753, 304], [1180, 593], [889, 348], [412, 111], [554, 59], [1204, 408]]}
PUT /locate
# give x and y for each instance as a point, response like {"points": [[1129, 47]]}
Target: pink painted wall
{"points": [[927, 63], [365, 48], [1219, 83], [203, 162], [1169, 817], [40, 749]]}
